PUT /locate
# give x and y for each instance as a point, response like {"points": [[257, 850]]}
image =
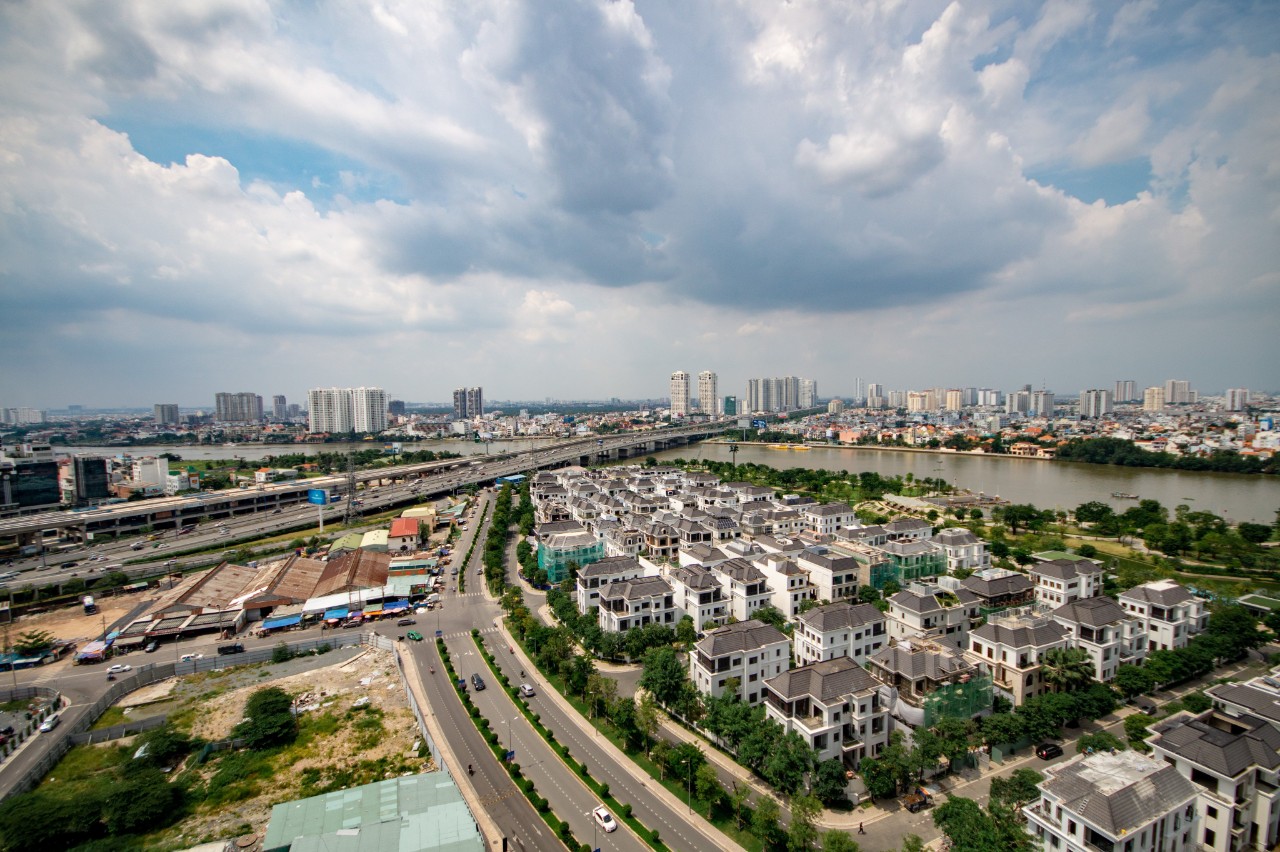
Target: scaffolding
{"points": [[962, 700]]}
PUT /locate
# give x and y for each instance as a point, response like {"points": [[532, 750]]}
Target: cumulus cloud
{"points": [[529, 191]]}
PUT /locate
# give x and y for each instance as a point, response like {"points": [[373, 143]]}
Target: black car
{"points": [[477, 683], [237, 648], [1048, 751]]}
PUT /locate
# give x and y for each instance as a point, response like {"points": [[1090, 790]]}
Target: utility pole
{"points": [[350, 516]]}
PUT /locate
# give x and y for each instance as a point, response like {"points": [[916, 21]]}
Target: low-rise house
{"points": [[997, 588], [661, 541], [1062, 581], [908, 529], [404, 536], [1233, 763], [826, 518], [788, 584], [592, 578], [929, 612], [835, 706], [834, 576], [914, 559], [563, 542], [1011, 651], [699, 595], [917, 669], [635, 603], [1170, 615], [840, 629], [963, 550], [744, 587], [1259, 696], [1120, 802], [622, 540], [1107, 632], [750, 651]]}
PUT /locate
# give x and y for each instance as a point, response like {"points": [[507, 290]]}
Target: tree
{"points": [[164, 745], [764, 821], [829, 782], [1254, 533], [1197, 702], [1136, 730], [685, 631], [737, 799], [1094, 512], [663, 676], [1002, 728], [1018, 789], [144, 799], [707, 785], [839, 841], [971, 829], [646, 719], [1098, 741], [33, 642], [269, 719], [1088, 551], [1067, 669], [786, 765], [770, 614], [912, 843], [804, 810], [1133, 680], [955, 737], [661, 754]]}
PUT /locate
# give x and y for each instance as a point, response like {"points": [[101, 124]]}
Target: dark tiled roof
{"points": [[1014, 584], [1038, 636], [630, 590], [611, 565], [1246, 741], [914, 663], [1118, 792], [826, 681], [744, 636], [827, 510], [1156, 594], [1256, 698], [955, 537], [841, 615], [1064, 569], [1092, 612]]}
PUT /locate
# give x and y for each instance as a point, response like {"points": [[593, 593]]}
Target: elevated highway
{"points": [[168, 513]]}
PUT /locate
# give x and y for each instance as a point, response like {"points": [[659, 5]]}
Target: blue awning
{"points": [[395, 606], [281, 621], [336, 612]]}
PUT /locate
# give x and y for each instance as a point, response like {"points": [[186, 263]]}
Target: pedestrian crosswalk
{"points": [[464, 633]]}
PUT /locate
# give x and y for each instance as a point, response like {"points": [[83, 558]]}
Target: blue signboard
{"points": [[758, 424], [318, 496]]}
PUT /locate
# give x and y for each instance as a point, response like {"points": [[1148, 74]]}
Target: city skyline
{"points": [[920, 195]]}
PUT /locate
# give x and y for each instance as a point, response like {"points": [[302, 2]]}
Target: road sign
{"points": [[318, 496], [510, 756]]}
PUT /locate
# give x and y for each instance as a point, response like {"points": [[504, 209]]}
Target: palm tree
{"points": [[1067, 669]]}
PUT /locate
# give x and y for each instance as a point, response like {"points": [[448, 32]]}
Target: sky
{"points": [[574, 199]]}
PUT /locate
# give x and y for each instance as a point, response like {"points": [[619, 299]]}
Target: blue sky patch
{"points": [[1114, 183]]}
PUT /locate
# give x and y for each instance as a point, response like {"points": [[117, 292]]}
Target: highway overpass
{"points": [[167, 513]]}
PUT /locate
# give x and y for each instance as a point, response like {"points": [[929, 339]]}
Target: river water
{"points": [[1046, 484]]}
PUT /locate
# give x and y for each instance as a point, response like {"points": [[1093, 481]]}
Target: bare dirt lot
{"points": [[70, 623]]}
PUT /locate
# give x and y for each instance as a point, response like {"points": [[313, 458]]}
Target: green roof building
{"points": [[418, 812]]}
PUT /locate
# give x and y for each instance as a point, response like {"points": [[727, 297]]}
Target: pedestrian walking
{"points": [[861, 830]]}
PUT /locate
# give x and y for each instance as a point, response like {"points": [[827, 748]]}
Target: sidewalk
{"points": [[488, 828], [605, 744]]}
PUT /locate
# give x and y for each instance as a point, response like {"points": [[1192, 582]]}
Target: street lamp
{"points": [[733, 454]]}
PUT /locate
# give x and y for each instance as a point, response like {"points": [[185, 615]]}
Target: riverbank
{"points": [[817, 445]]}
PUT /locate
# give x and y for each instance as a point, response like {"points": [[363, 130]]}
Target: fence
{"points": [[413, 705], [74, 729], [115, 732]]}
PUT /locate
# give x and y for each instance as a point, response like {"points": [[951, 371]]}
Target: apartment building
{"points": [[933, 613], [598, 574], [1011, 651], [698, 594], [635, 603], [1122, 802], [840, 629], [1107, 632], [1062, 581], [835, 705], [750, 651], [1170, 615], [1233, 763]]}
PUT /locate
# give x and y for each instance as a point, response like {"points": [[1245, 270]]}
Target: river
{"points": [[1046, 484]]}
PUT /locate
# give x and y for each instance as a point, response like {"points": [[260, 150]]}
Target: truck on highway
{"points": [[89, 606]]}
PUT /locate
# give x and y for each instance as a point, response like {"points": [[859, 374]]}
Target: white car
{"points": [[526, 691], [604, 819], [119, 667], [186, 658]]}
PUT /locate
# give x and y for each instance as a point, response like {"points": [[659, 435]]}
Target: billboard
{"points": [[318, 496], [758, 424]]}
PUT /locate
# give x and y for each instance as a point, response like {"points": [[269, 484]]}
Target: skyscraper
{"points": [[396, 407], [1126, 390], [91, 479], [237, 408], [808, 396], [339, 410], [1095, 403], [1153, 399], [1177, 392], [468, 403], [1237, 399], [679, 393], [1042, 403], [708, 387], [166, 414], [730, 406], [279, 407]]}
